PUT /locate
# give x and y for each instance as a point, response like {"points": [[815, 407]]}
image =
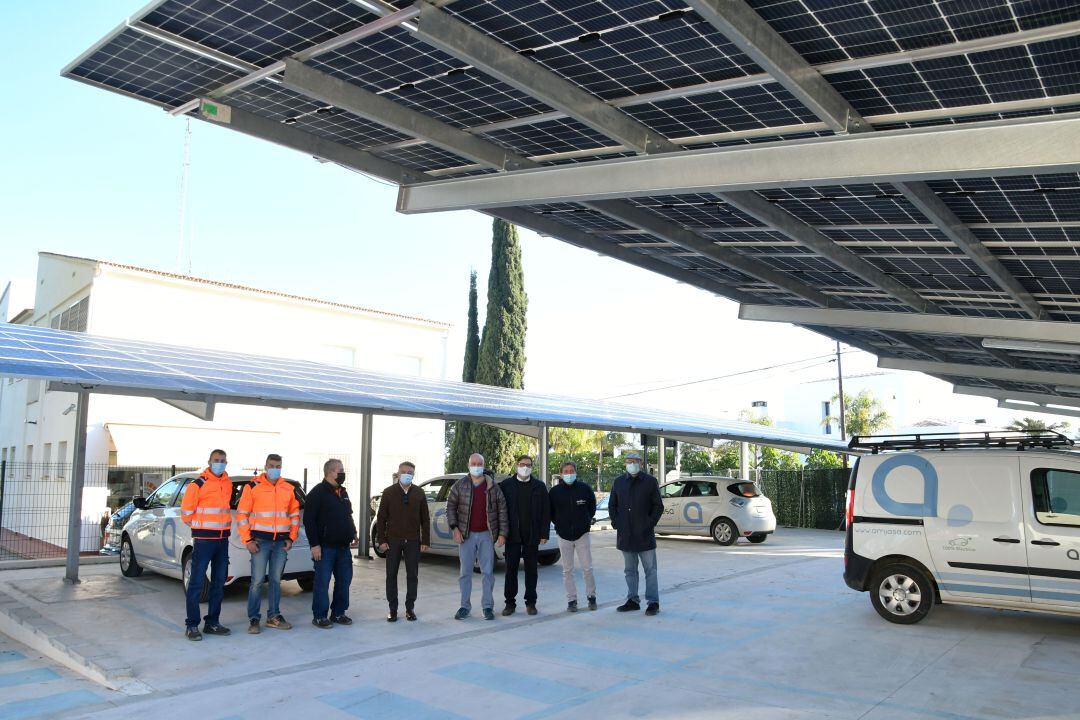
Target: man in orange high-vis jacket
{"points": [[268, 518], [206, 511]]}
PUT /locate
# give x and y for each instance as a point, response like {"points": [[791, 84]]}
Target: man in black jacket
{"points": [[330, 528], [529, 513], [573, 505], [403, 528], [635, 507]]}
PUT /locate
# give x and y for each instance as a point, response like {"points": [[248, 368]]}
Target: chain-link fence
{"points": [[35, 497], [806, 498]]}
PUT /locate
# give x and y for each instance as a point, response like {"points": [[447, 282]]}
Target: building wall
{"points": [[142, 431]]}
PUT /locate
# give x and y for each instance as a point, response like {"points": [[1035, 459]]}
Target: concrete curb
{"points": [[26, 625]]}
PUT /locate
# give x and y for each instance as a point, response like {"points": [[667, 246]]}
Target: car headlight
{"points": [[737, 502]]}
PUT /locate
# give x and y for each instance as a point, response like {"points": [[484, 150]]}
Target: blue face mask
{"points": [[405, 479], [633, 468], [570, 478], [476, 471], [273, 473], [218, 468]]}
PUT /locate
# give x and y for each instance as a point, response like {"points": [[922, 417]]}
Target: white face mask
{"points": [[633, 468], [524, 472], [405, 478], [476, 470]]}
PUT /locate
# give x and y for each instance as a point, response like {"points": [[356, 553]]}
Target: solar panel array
{"points": [[117, 365], [900, 63]]}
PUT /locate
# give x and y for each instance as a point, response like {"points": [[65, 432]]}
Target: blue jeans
{"points": [[205, 554], [270, 557], [336, 562], [477, 545], [648, 564]]}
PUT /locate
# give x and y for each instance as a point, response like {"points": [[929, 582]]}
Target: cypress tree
{"points": [[457, 458], [502, 347]]}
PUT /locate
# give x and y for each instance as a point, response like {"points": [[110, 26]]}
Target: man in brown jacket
{"points": [[403, 528]]}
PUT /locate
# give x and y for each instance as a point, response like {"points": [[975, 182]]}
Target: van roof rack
{"points": [[1014, 439]]}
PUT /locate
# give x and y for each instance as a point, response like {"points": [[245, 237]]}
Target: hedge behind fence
{"points": [[806, 498]]}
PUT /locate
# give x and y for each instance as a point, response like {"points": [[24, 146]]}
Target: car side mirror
{"points": [[139, 503]]}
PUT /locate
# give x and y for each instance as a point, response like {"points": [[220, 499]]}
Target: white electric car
{"points": [[155, 538], [724, 509], [442, 539]]}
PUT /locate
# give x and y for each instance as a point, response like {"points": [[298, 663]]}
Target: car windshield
{"points": [[238, 488], [602, 505]]}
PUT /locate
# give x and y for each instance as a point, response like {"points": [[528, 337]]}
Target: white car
{"points": [[442, 539], [724, 509], [937, 519], [155, 538]]}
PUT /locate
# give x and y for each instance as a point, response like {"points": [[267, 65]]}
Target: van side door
{"points": [[977, 536], [1052, 514]]}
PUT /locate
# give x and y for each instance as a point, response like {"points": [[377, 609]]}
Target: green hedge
{"points": [[806, 498]]}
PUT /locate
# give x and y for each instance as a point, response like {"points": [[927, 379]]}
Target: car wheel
{"points": [[374, 544], [723, 531], [129, 566], [204, 595], [306, 582], [549, 558], [901, 593], [757, 537]]}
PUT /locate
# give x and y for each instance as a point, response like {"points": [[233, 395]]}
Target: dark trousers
{"points": [[213, 554], [515, 552], [410, 550], [336, 562]]}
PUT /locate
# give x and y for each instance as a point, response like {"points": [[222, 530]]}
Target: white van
{"points": [[989, 519]]}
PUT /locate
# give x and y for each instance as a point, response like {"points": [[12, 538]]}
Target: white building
{"points": [[109, 299]]}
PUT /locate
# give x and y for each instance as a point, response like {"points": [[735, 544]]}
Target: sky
{"points": [[95, 174]]}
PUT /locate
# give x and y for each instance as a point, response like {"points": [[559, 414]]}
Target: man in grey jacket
{"points": [[476, 514]]}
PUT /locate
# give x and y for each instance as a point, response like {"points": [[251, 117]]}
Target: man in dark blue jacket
{"points": [[573, 506], [330, 528], [635, 507], [529, 514]]}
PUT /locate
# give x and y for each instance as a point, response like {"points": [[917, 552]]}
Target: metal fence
{"points": [[806, 498], [35, 497]]}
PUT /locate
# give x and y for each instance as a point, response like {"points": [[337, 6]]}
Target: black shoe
{"points": [[489, 614], [592, 603], [410, 615], [571, 606], [509, 610], [628, 606], [323, 623], [530, 608], [653, 609], [341, 619], [391, 616], [461, 614], [193, 634], [216, 629]]}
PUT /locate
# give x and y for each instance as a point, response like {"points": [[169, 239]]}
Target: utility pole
{"points": [[840, 383]]}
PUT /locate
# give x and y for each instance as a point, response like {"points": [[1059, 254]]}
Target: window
{"points": [[701, 489], [164, 495], [46, 459], [672, 490], [29, 460], [746, 489], [1056, 496], [826, 415], [74, 318], [431, 489], [62, 460]]}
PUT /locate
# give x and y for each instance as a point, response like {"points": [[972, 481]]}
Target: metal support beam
{"points": [[366, 433], [1041, 377], [1026, 147], [998, 394], [1041, 409], [491, 57], [78, 480], [661, 458], [542, 451], [1040, 330], [738, 22]]}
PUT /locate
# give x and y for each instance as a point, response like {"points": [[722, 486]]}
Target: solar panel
{"points": [[115, 365]]}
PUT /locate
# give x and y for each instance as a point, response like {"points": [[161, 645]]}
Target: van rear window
{"points": [[745, 489]]}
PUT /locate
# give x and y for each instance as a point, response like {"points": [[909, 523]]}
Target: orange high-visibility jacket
{"points": [[268, 511], [206, 506]]}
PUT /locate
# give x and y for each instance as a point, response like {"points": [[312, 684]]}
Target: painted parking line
{"points": [[373, 703], [25, 677], [11, 656], [598, 658], [662, 636], [49, 704], [499, 679]]}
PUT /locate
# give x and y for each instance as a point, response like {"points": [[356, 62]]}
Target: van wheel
{"points": [[306, 582], [204, 595], [901, 593], [129, 566], [757, 537], [549, 558], [724, 532]]}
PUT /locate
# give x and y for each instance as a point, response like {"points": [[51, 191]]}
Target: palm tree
{"points": [[863, 414], [1034, 426]]}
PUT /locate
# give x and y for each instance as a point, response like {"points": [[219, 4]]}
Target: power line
{"points": [[831, 358]]}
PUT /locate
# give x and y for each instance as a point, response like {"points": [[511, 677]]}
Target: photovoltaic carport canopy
{"points": [[188, 377], [475, 103]]}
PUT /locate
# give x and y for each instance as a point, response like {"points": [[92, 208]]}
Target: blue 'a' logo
{"points": [[926, 508]]}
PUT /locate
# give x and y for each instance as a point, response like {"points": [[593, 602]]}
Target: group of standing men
{"points": [[482, 514]]}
